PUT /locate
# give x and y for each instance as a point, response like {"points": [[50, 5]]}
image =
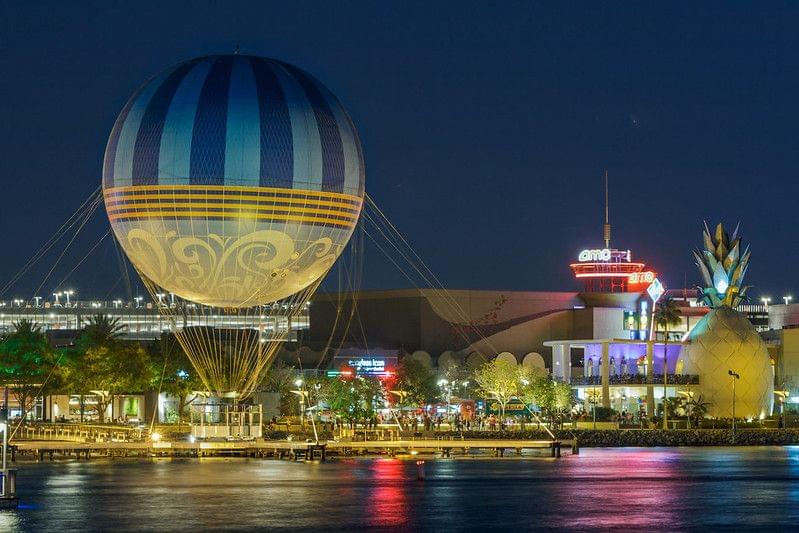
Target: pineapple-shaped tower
{"points": [[724, 339]]}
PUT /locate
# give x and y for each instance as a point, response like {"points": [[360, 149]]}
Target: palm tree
{"points": [[101, 330], [697, 408], [667, 314]]}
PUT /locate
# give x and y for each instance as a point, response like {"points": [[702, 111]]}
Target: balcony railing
{"points": [[637, 379]]}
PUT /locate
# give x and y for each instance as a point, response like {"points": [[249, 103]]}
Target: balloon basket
{"points": [[227, 421]]}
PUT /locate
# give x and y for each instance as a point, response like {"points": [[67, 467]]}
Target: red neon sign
{"points": [[641, 278]]}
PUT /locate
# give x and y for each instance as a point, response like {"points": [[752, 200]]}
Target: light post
{"points": [[766, 301], [56, 295], [37, 299], [787, 299], [783, 395], [68, 294], [303, 394], [734, 377], [444, 384], [593, 400], [138, 300], [401, 395]]}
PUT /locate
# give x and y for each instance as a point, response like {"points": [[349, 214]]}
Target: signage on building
{"points": [[640, 278], [603, 254], [363, 365], [655, 290], [514, 407]]}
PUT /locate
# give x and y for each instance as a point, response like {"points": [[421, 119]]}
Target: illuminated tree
{"points": [[417, 382], [498, 379], [27, 364], [552, 397], [104, 366], [353, 399]]}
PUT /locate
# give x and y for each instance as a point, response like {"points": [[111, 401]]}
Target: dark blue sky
{"points": [[485, 126]]}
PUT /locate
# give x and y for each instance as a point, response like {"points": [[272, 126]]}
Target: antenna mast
{"points": [[606, 227]]}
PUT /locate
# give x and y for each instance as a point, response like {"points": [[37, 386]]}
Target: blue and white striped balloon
{"points": [[233, 180]]}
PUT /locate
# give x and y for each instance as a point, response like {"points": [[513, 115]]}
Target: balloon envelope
{"points": [[232, 180]]}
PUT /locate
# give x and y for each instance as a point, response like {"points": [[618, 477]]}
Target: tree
{"points": [[280, 378], [101, 330], [667, 314], [352, 399], [498, 379], [173, 373], [103, 365], [109, 371], [28, 364], [553, 398], [697, 409], [416, 381]]}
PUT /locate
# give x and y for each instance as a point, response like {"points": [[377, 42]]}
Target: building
{"points": [[140, 320]]}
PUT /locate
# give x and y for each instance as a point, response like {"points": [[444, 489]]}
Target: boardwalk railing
{"points": [[76, 432]]}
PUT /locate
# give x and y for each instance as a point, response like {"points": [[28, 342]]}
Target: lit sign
{"points": [[367, 365], [603, 254], [594, 255], [642, 277], [655, 290]]}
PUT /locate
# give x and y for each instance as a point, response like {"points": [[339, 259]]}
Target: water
{"points": [[671, 489]]}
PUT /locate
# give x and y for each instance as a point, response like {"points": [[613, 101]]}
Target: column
{"points": [[557, 361], [650, 371], [566, 363], [605, 374]]}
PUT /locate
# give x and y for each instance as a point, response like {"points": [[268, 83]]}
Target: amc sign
{"points": [[594, 255]]}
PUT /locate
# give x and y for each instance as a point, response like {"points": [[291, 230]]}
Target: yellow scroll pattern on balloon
{"points": [[251, 269]]}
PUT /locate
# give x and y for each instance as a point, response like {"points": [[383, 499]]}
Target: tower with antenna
{"points": [[606, 228], [610, 270]]}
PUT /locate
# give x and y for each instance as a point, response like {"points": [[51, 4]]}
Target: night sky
{"points": [[486, 127]]}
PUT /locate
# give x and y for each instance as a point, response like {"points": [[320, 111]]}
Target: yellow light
{"points": [[155, 437]]}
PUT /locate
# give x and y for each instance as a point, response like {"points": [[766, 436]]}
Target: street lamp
{"points": [[56, 295], [401, 395], [68, 294], [765, 301], [783, 395], [303, 394], [734, 377], [787, 299], [138, 300], [444, 384]]}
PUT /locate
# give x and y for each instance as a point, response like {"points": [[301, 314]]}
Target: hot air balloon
{"points": [[233, 182]]}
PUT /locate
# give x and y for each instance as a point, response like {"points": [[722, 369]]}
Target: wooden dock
{"points": [[295, 450]]}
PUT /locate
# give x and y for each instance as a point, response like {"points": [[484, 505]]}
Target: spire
{"points": [[606, 227]]}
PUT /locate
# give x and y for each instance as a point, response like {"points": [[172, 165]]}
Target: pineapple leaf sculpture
{"points": [[724, 340], [723, 267]]}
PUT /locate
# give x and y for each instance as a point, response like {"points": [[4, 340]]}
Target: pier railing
{"points": [[77, 432]]}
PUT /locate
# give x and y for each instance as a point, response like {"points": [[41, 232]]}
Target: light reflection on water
{"points": [[671, 489]]}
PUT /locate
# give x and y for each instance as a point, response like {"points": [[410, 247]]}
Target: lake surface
{"points": [[667, 489]]}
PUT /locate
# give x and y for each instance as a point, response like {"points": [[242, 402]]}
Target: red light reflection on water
{"points": [[388, 503]]}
